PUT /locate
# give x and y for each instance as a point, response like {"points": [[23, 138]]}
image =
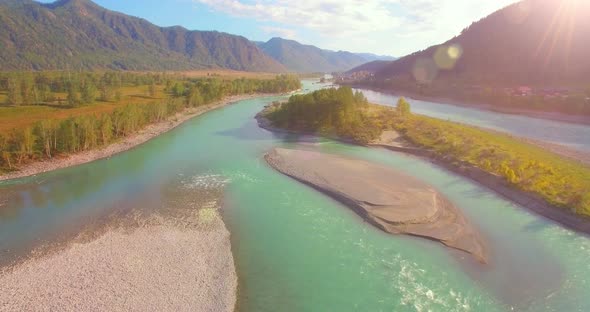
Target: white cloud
{"points": [[332, 17], [365, 25]]}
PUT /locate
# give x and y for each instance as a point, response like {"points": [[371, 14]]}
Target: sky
{"points": [[386, 27]]}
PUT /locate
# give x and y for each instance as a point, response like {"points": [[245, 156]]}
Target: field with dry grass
{"points": [[22, 116], [18, 117]]}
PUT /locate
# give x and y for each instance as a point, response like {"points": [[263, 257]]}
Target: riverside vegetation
{"points": [[329, 112], [347, 115], [58, 113]]}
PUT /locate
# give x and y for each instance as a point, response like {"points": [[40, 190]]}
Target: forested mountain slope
{"points": [[78, 34], [530, 42]]}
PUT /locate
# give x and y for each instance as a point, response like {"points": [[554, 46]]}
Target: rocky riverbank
{"points": [[388, 199], [392, 141], [179, 263]]}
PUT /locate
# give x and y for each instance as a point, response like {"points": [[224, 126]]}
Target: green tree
{"points": [[88, 93], [48, 138], [155, 112], [178, 90], [26, 91], [195, 98], [403, 107], [36, 96], [105, 128], [45, 131], [25, 143], [106, 92], [4, 152], [334, 112], [73, 97], [68, 137], [14, 92], [43, 92], [87, 134]]}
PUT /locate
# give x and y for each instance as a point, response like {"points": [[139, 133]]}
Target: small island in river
{"points": [[392, 201], [553, 185]]}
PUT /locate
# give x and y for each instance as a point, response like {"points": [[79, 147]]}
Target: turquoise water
{"points": [[297, 250], [573, 135]]}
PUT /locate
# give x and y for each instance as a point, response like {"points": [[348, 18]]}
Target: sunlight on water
{"points": [[297, 250], [209, 181]]}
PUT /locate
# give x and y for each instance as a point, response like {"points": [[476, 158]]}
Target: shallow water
{"points": [[573, 135], [151, 260], [297, 250]]}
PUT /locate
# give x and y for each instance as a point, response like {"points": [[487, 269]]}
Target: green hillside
{"points": [[78, 34]]}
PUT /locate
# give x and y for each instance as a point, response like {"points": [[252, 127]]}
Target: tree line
{"points": [[71, 89], [330, 112], [74, 89], [48, 138]]}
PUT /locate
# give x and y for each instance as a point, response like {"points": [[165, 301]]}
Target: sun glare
{"points": [[562, 25]]}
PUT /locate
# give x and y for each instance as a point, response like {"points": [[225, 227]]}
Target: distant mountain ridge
{"points": [[371, 67], [78, 34], [307, 58], [529, 42], [375, 57]]}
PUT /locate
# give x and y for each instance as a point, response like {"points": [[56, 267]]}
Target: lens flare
{"points": [[561, 25], [455, 51], [446, 56]]}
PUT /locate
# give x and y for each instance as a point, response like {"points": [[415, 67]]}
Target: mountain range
{"points": [[79, 34], [83, 35], [307, 58], [529, 42]]}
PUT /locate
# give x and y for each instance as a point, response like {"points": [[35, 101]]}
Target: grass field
{"points": [[20, 117]]}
